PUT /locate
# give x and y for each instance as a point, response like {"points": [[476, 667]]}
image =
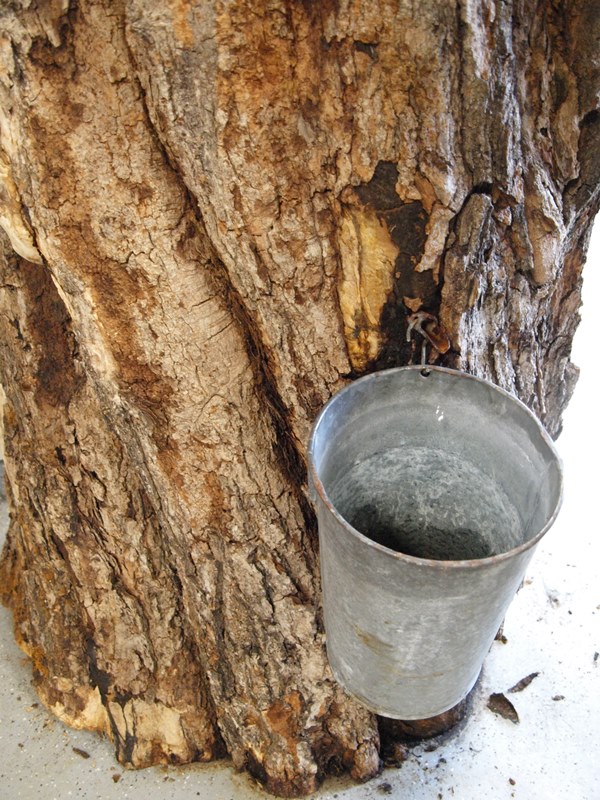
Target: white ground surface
{"points": [[552, 628]]}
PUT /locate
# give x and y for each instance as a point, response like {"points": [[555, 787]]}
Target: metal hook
{"points": [[428, 326], [415, 323]]}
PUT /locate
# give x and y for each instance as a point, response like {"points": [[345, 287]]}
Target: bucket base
{"points": [[394, 731]]}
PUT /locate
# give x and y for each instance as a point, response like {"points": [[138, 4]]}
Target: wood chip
{"points": [[501, 705], [394, 754], [500, 637], [523, 683], [414, 303]]}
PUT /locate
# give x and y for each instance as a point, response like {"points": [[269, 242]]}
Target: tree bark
{"points": [[218, 214]]}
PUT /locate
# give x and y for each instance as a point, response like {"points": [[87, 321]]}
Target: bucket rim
{"points": [[431, 563]]}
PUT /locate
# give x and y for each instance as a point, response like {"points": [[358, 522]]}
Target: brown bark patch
{"points": [[56, 380], [382, 284], [284, 717]]}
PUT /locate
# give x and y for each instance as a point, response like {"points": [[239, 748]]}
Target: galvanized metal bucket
{"points": [[432, 489]]}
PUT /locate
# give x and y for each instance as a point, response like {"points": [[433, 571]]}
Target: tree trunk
{"points": [[218, 214]]}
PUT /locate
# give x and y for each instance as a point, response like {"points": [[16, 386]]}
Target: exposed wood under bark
{"points": [[217, 215]]}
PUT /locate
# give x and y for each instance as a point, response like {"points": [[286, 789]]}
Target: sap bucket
{"points": [[432, 489]]}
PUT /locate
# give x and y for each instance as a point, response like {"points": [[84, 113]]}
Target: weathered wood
{"points": [[217, 215]]}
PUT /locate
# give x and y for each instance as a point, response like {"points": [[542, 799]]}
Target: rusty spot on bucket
{"points": [[373, 642]]}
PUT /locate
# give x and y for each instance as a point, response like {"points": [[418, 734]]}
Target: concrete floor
{"points": [[551, 628]]}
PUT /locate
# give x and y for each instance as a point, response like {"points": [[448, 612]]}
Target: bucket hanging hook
{"points": [[430, 329]]}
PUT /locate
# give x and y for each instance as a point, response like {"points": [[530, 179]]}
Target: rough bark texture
{"points": [[218, 214]]}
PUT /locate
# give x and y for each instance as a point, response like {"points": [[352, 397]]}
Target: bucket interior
{"points": [[435, 464]]}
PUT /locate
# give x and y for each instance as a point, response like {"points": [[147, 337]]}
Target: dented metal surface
{"points": [[432, 489]]}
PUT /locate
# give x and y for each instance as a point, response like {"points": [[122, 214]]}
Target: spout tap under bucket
{"points": [[432, 489]]}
